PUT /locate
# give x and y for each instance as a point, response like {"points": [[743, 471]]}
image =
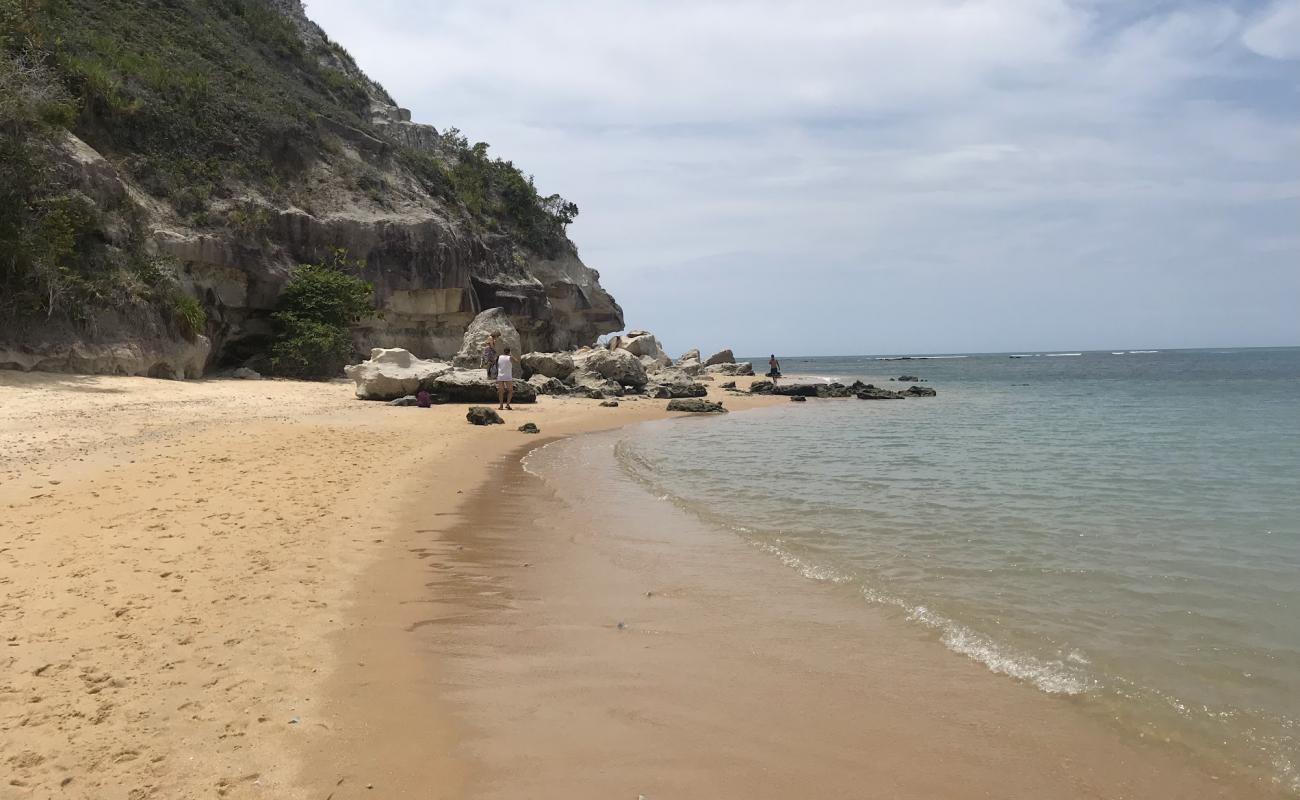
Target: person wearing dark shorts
{"points": [[773, 368]]}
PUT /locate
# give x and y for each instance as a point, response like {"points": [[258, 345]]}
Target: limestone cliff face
{"points": [[433, 263]]}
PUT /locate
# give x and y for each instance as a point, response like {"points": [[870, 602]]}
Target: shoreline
{"points": [[333, 663], [532, 647]]}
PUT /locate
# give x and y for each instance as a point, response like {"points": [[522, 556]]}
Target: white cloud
{"points": [[1276, 32], [901, 154]]}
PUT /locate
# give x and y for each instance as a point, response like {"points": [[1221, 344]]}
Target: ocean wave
{"points": [[1054, 355], [526, 461], [808, 570], [1052, 677]]}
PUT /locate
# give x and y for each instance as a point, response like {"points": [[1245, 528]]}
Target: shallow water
{"points": [[1121, 527]]}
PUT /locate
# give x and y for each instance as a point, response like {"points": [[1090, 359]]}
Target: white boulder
{"points": [[392, 373]]}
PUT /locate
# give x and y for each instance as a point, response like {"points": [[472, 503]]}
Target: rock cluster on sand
{"points": [[696, 405], [609, 403], [529, 427], [480, 415], [392, 373]]}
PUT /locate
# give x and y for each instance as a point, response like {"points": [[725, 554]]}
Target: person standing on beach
{"points": [[489, 358], [773, 368], [505, 381]]}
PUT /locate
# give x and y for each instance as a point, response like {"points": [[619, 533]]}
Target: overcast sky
{"points": [[889, 176]]}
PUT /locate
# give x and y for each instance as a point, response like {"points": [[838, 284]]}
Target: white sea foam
{"points": [[1053, 355], [804, 568], [1053, 677], [526, 461]]}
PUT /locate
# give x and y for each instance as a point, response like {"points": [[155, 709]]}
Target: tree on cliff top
{"points": [[314, 317]]}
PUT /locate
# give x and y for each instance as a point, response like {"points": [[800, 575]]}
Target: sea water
{"points": [[1121, 528]]}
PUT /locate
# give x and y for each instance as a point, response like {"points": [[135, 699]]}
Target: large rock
{"points": [[392, 373], [552, 365], [474, 386], [670, 382], [762, 386], [616, 365], [493, 320], [696, 405], [690, 355], [920, 391], [720, 357], [547, 385], [644, 346]]}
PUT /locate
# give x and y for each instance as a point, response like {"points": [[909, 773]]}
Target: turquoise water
{"points": [[1120, 528]]}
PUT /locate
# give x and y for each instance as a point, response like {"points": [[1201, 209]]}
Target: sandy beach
{"points": [[271, 589]]}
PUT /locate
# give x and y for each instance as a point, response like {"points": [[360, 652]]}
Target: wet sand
{"points": [[731, 676]]}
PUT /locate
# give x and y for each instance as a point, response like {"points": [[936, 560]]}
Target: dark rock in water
{"points": [[609, 404], [696, 405], [479, 415], [857, 386], [474, 386], [921, 391], [761, 387], [870, 392], [798, 398], [529, 427], [728, 385], [833, 390], [906, 378], [787, 389], [409, 400]]}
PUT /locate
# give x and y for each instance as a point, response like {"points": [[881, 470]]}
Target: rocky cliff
{"points": [[213, 146]]}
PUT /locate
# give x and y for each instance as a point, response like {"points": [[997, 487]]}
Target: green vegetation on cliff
{"points": [[200, 104], [314, 317]]}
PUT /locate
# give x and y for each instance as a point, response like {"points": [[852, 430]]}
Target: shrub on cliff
{"points": [[314, 316]]}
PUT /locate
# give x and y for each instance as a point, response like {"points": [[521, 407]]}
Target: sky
{"points": [[889, 176]]}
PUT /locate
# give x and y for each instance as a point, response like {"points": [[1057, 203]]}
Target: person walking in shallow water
{"points": [[773, 368], [505, 381]]}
